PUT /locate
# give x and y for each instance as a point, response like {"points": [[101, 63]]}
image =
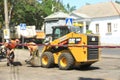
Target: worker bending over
{"points": [[33, 49], [10, 46]]}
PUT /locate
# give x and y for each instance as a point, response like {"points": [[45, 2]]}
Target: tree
{"points": [[1, 13], [23, 11], [31, 12], [117, 2], [2, 10], [70, 9]]}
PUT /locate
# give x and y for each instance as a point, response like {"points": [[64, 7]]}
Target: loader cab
{"points": [[59, 31]]}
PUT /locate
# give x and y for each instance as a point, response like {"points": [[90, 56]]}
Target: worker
{"points": [[33, 49], [10, 46]]}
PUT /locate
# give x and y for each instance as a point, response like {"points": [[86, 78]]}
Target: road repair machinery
{"points": [[69, 48]]}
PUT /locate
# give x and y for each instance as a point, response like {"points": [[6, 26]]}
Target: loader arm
{"points": [[60, 35]]}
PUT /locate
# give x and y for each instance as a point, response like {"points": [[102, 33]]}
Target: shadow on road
{"points": [[17, 63], [75, 68], [33, 66], [82, 78], [87, 69]]}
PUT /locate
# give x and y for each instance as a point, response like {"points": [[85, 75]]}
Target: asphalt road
{"points": [[110, 51], [108, 68]]}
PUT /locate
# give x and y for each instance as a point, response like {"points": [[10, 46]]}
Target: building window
{"points": [[87, 27], [97, 28], [109, 29]]}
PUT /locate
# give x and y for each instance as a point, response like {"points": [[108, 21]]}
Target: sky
{"points": [[80, 3]]}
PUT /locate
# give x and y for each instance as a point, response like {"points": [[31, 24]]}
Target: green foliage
{"points": [[117, 2], [89, 31], [47, 6], [31, 12], [69, 8], [1, 13]]}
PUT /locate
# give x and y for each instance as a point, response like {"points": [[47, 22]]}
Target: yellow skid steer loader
{"points": [[68, 48]]}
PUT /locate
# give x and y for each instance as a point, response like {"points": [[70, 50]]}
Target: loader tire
{"points": [[66, 61], [47, 60]]}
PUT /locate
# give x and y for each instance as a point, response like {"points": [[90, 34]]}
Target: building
{"points": [[102, 19], [57, 18]]}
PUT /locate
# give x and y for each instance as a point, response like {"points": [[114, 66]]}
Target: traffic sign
{"points": [[22, 26], [69, 20], [6, 34]]}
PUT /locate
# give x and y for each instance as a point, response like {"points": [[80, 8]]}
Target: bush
{"points": [[89, 31]]}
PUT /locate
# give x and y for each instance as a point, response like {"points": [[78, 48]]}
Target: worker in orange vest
{"points": [[10, 46]]}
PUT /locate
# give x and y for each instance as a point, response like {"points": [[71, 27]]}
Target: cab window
{"points": [[59, 32]]}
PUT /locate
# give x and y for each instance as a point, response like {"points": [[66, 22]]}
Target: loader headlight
{"points": [[93, 39], [78, 40], [74, 40], [71, 41]]}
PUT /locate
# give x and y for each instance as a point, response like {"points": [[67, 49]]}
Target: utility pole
{"points": [[6, 14], [6, 30]]}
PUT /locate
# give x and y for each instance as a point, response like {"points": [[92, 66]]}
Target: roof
{"points": [[80, 14], [56, 15], [100, 10]]}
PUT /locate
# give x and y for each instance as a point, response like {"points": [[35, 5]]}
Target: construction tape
{"points": [[88, 46], [68, 45]]}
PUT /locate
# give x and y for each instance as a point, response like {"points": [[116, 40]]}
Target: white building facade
{"points": [[102, 19], [108, 28]]}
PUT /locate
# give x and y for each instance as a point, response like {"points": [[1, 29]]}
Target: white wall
{"points": [[50, 24], [107, 38]]}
